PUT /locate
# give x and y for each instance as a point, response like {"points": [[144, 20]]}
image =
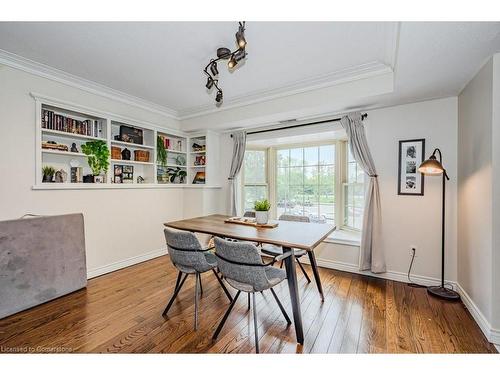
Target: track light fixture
{"points": [[210, 83], [233, 58], [213, 68], [218, 97]]}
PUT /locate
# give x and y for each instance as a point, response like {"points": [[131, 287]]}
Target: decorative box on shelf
{"points": [[116, 152], [141, 155]]}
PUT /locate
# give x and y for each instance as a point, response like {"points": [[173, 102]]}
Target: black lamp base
{"points": [[443, 292]]}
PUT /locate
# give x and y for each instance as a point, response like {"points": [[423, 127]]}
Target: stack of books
{"points": [[53, 121]]}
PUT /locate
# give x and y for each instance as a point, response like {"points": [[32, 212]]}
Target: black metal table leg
{"points": [[312, 260], [291, 275]]}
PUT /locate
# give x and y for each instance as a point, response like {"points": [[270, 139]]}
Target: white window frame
{"points": [[266, 174], [340, 171]]}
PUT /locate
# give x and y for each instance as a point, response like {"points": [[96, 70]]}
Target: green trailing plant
{"points": [[262, 205], [161, 152], [97, 156], [173, 173]]}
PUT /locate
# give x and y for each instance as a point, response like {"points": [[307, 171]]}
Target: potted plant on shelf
{"points": [[98, 158], [177, 175], [262, 211], [48, 173], [161, 152]]}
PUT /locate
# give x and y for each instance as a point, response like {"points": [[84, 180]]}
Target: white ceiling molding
{"points": [[45, 71], [363, 71]]}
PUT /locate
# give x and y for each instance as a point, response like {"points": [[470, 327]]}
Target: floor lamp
{"points": [[433, 167]]}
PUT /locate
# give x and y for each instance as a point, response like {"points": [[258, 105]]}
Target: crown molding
{"points": [[45, 71], [355, 73]]}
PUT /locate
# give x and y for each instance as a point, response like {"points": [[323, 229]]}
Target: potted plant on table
{"points": [[98, 158], [48, 173], [262, 211]]}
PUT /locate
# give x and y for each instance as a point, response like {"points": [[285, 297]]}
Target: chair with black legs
{"points": [[273, 251], [241, 265], [188, 256]]}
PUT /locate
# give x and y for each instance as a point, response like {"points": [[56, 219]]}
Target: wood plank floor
{"points": [[121, 312]]}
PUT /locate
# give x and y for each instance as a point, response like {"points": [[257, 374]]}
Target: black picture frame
{"points": [[130, 134], [413, 156]]}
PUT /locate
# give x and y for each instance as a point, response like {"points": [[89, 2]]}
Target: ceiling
{"points": [[162, 62]]}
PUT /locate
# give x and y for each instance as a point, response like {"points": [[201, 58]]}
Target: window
{"points": [[354, 193], [305, 182], [320, 180], [254, 177]]}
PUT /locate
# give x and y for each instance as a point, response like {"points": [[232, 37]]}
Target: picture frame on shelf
{"points": [[411, 155], [130, 134]]}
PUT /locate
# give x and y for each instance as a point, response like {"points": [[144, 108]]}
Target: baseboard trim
{"points": [[125, 263], [389, 275], [492, 334], [482, 322]]}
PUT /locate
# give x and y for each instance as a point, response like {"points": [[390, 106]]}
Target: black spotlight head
{"points": [[232, 62], [218, 97], [240, 39], [213, 68], [240, 55], [210, 83]]}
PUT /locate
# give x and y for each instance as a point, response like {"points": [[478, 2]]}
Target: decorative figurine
{"points": [[126, 154], [140, 180], [61, 176], [74, 148]]}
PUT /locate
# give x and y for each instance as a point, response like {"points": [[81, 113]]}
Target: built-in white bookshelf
{"points": [[62, 128]]}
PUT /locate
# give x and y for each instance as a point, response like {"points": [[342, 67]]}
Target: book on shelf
{"points": [[76, 174], [172, 144], [54, 121]]}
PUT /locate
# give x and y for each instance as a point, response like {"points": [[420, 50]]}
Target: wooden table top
{"points": [[288, 233]]}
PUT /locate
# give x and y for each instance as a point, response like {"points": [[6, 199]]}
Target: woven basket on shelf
{"points": [[141, 155], [116, 152]]}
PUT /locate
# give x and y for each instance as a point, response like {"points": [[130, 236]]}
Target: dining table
{"points": [[287, 234]]}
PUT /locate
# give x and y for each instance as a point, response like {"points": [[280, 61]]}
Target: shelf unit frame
{"points": [[108, 118]]}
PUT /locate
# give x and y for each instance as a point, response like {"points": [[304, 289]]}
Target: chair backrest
{"points": [[249, 214], [303, 219], [182, 248], [230, 253]]}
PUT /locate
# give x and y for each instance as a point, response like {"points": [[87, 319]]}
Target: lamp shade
{"points": [[431, 167]]}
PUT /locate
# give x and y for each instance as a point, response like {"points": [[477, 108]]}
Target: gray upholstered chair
{"points": [[249, 214], [274, 251], [188, 256], [241, 265]]}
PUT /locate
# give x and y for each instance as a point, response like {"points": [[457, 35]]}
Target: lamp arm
{"points": [[441, 161]]}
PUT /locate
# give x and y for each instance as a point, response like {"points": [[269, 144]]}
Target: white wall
{"points": [[475, 189], [496, 198], [121, 226]]}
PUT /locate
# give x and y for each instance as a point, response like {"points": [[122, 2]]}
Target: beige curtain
{"points": [[371, 255], [239, 144]]}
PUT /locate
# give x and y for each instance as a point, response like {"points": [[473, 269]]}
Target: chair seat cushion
{"points": [[273, 274], [277, 250]]}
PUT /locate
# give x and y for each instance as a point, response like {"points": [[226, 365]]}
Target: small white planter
{"points": [[262, 217]]}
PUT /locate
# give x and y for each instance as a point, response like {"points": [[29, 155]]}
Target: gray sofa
{"points": [[41, 258]]}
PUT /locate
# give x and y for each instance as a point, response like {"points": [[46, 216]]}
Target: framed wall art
{"points": [[411, 155]]}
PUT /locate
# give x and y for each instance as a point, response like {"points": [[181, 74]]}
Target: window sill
{"points": [[344, 237]]}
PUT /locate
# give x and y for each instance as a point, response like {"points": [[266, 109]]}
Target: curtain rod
{"points": [[363, 116]]}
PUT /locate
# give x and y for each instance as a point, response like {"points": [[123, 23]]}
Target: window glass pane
{"points": [[327, 155], [306, 186], [255, 166], [283, 158], [327, 175], [297, 156], [296, 176], [311, 175], [354, 191], [311, 156], [252, 194]]}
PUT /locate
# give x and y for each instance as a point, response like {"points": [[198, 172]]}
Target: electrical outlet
{"points": [[413, 250]]}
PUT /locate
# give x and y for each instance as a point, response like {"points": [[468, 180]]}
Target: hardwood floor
{"points": [[121, 312]]}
